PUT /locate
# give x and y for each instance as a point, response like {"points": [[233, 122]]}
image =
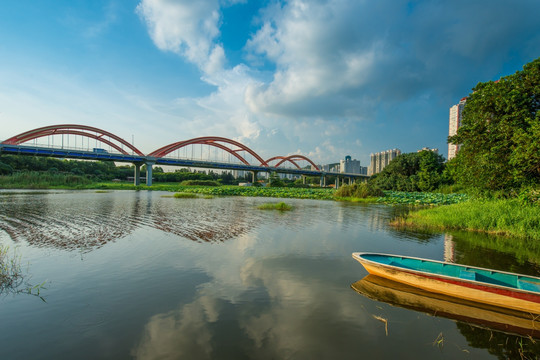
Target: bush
{"points": [[5, 169], [529, 196]]}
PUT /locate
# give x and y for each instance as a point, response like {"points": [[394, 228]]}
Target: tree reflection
{"points": [[476, 250]]}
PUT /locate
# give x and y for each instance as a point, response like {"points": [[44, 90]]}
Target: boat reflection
{"points": [[481, 315]]}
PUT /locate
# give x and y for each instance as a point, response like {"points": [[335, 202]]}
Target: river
{"points": [[146, 276]]}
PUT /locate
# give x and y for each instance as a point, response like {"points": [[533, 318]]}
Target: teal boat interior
{"points": [[464, 272]]}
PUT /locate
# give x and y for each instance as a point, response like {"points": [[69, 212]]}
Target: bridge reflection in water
{"points": [[120, 150], [55, 220]]}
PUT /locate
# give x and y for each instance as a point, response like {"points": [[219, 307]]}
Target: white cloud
{"points": [[315, 62], [335, 64], [187, 28]]}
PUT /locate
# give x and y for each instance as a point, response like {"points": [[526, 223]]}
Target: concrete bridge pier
{"points": [[323, 181], [137, 174], [254, 176], [149, 164]]}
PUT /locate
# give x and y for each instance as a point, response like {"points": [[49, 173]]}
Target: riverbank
{"points": [[507, 217]]}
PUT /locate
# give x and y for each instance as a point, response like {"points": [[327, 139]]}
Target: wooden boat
{"points": [[477, 314], [497, 288]]}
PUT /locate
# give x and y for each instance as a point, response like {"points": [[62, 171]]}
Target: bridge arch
{"points": [[212, 141], [291, 159], [74, 129], [282, 158]]}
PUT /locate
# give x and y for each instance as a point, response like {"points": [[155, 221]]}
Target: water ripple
{"points": [[85, 221]]}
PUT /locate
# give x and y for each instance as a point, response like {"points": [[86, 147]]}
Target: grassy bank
{"points": [[501, 217]]}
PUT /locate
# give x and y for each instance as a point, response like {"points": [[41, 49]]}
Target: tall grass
{"points": [[503, 217]]}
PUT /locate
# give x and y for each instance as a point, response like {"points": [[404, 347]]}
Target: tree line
{"points": [[105, 170]]}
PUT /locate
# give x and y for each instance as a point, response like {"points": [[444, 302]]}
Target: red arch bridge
{"points": [[119, 150]]}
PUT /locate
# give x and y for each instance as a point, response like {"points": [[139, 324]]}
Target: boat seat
{"points": [[467, 275], [393, 263], [528, 285]]}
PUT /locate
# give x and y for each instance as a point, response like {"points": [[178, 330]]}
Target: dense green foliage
{"points": [[420, 171], [180, 176], [500, 132], [43, 180], [275, 181], [102, 170]]}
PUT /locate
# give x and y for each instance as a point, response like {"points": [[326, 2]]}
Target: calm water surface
{"points": [[139, 275]]}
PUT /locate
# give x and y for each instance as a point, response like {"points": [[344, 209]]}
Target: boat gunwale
{"points": [[358, 256]]}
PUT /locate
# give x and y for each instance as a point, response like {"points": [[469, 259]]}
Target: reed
{"points": [[183, 195], [508, 217], [281, 206], [12, 278]]}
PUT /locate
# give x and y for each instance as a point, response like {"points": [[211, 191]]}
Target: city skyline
{"points": [[320, 79]]}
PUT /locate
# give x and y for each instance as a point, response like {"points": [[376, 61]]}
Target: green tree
{"points": [[500, 133], [275, 180], [420, 171]]}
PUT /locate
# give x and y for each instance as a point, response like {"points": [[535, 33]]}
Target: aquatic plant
{"points": [[200, 183], [12, 278], [281, 206], [362, 191], [183, 195], [421, 198]]}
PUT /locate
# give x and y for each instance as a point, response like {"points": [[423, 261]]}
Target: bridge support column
{"points": [[303, 179], [149, 172], [253, 176], [137, 175], [323, 181], [337, 182]]}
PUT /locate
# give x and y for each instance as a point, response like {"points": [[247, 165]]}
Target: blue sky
{"points": [[318, 78]]}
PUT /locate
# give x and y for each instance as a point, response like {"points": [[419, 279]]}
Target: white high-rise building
{"points": [[381, 159], [349, 166], [453, 125]]}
